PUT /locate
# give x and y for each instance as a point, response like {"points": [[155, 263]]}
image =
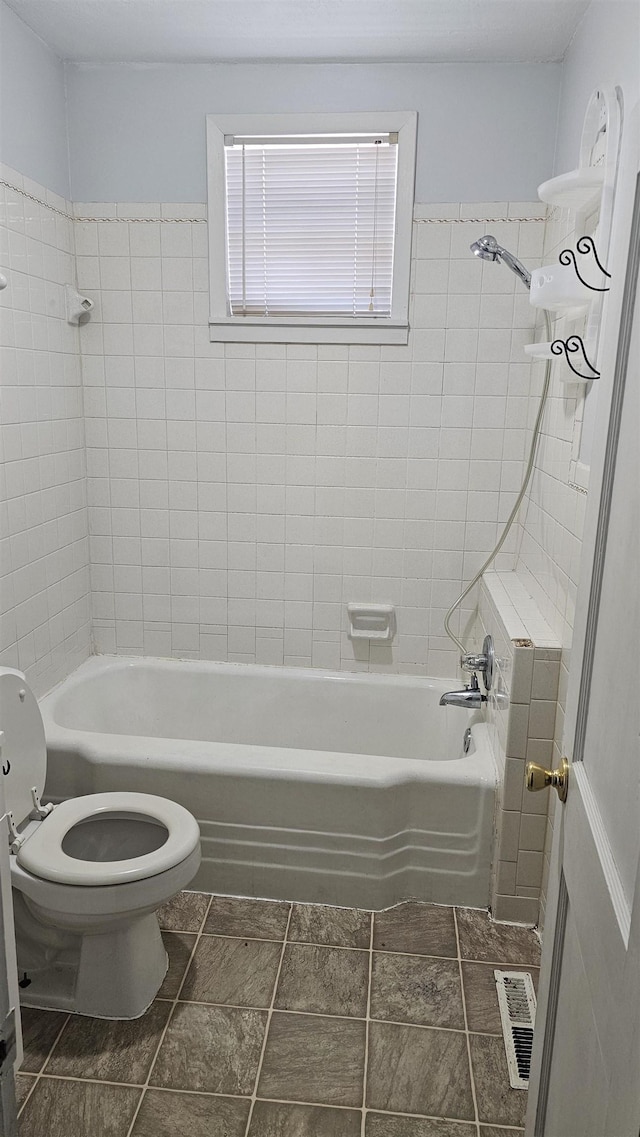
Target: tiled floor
{"points": [[279, 1020]]}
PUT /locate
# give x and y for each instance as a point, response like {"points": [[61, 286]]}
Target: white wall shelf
{"points": [[577, 189], [539, 350], [558, 289], [543, 351], [588, 192]]}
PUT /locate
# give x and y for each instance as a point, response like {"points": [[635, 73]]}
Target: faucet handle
{"points": [[481, 661]]}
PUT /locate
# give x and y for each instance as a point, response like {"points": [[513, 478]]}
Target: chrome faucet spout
{"points": [[470, 697]]}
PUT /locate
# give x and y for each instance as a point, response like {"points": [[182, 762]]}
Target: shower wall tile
{"points": [[522, 729], [241, 495], [44, 547]]}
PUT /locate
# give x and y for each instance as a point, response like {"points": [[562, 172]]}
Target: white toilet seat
{"points": [[42, 854]]}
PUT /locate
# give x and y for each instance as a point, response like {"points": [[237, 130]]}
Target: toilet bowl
{"points": [[87, 877]]}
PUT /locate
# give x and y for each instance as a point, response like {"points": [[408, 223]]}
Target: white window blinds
{"points": [[310, 225]]}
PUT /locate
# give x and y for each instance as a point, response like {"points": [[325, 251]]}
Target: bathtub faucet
{"points": [[469, 697]]}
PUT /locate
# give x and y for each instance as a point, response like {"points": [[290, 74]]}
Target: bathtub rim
{"points": [[244, 759]]}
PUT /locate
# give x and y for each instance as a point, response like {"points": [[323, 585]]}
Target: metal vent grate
{"points": [[517, 1000]]}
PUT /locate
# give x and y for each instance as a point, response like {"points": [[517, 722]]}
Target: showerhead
{"points": [[488, 249]]}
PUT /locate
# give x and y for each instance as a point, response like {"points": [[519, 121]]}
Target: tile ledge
{"points": [[519, 611]]}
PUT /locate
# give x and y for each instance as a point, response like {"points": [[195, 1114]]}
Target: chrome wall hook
{"points": [[569, 347], [585, 246]]}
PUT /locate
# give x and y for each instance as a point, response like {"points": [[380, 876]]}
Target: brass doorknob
{"points": [[538, 778]]}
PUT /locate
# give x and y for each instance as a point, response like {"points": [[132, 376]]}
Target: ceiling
{"points": [[199, 31]]}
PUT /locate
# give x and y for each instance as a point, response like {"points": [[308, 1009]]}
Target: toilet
{"points": [[87, 877]]}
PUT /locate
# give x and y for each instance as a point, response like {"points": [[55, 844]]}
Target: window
{"points": [[310, 226]]}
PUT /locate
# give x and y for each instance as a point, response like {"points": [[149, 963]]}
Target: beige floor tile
{"points": [[275, 1119], [315, 1060], [108, 1050], [502, 944], [210, 1049], [416, 989], [417, 929], [323, 980], [497, 1102], [385, 1125], [493, 1131], [59, 1108], [179, 946], [24, 1086], [185, 912], [418, 1070], [167, 1114], [481, 997], [333, 927], [255, 919], [239, 972], [39, 1032]]}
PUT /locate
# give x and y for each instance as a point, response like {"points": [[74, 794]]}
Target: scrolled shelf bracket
{"points": [[585, 246], [571, 346]]}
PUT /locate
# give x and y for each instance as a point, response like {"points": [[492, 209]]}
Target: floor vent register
{"points": [[517, 1000]]}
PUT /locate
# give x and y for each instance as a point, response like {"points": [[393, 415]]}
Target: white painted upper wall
{"points": [[486, 132], [33, 132], [604, 50]]}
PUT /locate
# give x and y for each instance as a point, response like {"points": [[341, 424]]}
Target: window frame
{"points": [[393, 329]]}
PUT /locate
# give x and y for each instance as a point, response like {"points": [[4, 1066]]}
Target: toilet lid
{"points": [[23, 751], [43, 856]]}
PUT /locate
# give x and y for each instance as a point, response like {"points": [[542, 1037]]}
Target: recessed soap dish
{"points": [[371, 621]]}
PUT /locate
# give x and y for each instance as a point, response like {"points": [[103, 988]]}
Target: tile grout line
{"points": [[378, 951], [169, 1017], [348, 947], [278, 940], [40, 1071], [268, 1022], [284, 1011], [366, 1034], [94, 1080], [466, 1025], [276, 1101]]}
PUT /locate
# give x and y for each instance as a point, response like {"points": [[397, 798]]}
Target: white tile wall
{"points": [[44, 574], [240, 496], [521, 713]]}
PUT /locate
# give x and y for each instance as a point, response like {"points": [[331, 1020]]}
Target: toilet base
{"points": [[112, 975]]}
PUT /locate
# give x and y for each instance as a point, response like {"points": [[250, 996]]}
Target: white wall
{"points": [[44, 543], [604, 49], [486, 131], [33, 132], [240, 495]]}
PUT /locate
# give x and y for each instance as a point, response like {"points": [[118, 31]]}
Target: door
{"points": [[586, 1065], [10, 1038]]}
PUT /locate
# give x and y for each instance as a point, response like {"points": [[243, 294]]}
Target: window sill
{"points": [[237, 330]]}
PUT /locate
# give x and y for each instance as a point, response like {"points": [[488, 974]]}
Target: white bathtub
{"points": [[334, 788]]}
